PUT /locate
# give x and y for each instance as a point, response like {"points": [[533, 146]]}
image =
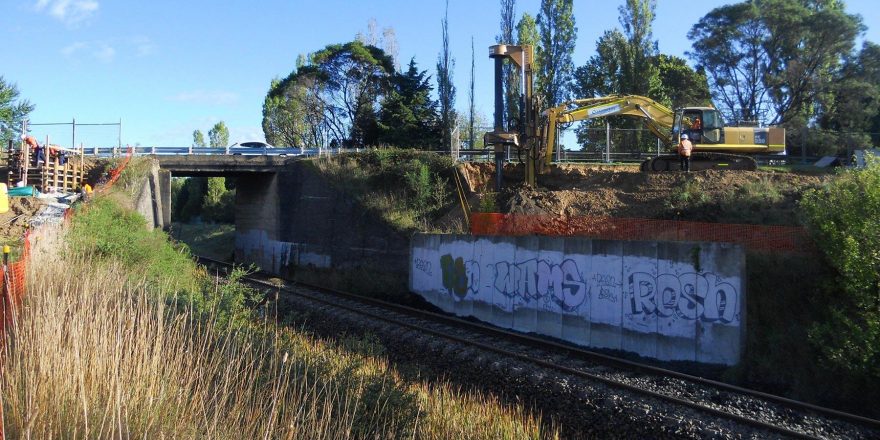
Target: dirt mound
{"points": [[13, 223], [758, 197]]}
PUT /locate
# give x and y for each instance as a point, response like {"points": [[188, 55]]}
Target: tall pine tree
{"points": [[445, 88], [408, 117]]}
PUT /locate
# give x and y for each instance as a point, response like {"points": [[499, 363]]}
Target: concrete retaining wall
{"points": [[664, 300]]}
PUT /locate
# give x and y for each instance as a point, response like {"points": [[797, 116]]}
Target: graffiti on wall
{"points": [[645, 298], [460, 277], [535, 279], [607, 287], [689, 296], [686, 296]]}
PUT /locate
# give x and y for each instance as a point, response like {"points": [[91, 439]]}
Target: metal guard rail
{"points": [[200, 151]]}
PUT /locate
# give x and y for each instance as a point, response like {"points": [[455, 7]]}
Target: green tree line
{"points": [[780, 62]]}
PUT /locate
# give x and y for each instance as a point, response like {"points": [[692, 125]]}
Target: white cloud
{"points": [[73, 48], [207, 97], [98, 50], [143, 46], [70, 12], [104, 53]]}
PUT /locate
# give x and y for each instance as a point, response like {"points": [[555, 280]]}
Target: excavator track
{"points": [[702, 161]]}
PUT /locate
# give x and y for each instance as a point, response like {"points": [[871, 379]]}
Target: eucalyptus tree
{"points": [[769, 60]]}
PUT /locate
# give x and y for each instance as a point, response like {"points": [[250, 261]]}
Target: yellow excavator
{"points": [[715, 146]]}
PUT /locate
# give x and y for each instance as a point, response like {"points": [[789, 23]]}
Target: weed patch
{"points": [[409, 189]]}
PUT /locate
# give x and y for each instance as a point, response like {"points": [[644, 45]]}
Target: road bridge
{"points": [[287, 214]]}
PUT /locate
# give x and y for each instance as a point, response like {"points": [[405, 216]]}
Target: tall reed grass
{"points": [[95, 355]]}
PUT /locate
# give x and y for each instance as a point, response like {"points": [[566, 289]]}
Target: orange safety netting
{"points": [[13, 276], [752, 237], [116, 172]]}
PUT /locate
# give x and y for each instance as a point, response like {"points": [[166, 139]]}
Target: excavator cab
{"points": [[703, 125]]}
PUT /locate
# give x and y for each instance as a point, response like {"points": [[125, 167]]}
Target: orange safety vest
{"points": [[685, 147]]}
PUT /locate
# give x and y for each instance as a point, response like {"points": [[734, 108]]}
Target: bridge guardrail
{"points": [[478, 155], [200, 151]]}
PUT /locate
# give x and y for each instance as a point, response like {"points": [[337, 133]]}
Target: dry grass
{"points": [[94, 354], [99, 357], [458, 415]]}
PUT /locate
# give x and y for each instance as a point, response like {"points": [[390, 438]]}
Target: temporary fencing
{"points": [[116, 172], [13, 290], [14, 274], [752, 237]]}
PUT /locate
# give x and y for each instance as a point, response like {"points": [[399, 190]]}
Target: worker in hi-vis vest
{"points": [[684, 153]]}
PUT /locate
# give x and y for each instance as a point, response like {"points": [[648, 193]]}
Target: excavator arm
{"points": [[657, 117]]}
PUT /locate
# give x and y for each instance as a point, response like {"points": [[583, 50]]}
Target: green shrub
{"points": [[418, 181], [136, 171], [844, 218], [210, 198], [488, 202], [749, 203]]}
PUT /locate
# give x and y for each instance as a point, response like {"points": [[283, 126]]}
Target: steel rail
{"points": [[543, 343]]}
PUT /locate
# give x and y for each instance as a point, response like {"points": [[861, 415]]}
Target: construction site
{"points": [[638, 246]]}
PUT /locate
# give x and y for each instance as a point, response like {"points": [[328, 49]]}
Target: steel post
{"points": [[607, 142], [499, 120]]}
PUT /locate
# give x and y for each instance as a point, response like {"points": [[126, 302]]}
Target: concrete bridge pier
{"points": [[153, 199], [257, 220]]}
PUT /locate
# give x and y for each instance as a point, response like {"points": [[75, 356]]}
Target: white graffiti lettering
{"points": [[688, 296], [538, 279]]}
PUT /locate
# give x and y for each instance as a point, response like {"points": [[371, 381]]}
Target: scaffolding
{"points": [[53, 169]]}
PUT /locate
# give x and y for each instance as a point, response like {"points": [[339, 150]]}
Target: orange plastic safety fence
{"points": [[13, 290], [116, 172], [11, 294], [752, 237]]}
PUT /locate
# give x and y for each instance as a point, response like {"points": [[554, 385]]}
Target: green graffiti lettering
{"points": [[455, 278]]}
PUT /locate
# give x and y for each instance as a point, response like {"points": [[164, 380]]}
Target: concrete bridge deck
{"points": [[222, 165]]}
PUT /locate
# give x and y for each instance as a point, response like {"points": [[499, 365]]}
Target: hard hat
{"points": [[684, 136]]}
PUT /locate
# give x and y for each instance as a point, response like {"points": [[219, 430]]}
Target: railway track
{"points": [[727, 410]]}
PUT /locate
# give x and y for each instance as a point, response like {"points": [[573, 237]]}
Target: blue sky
{"points": [[167, 67]]}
